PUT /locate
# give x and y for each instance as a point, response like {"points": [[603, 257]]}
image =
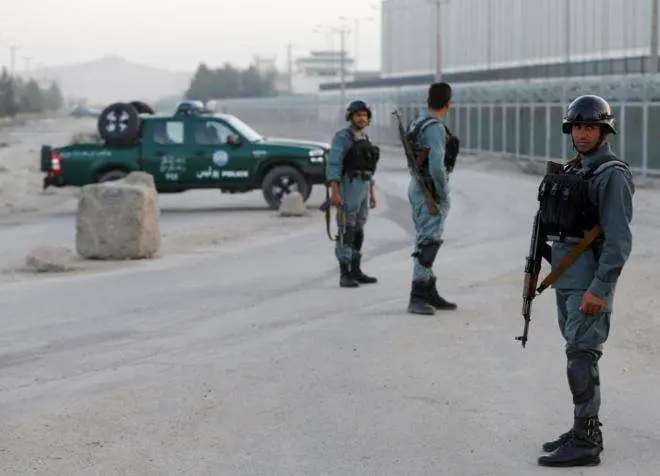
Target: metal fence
{"points": [[517, 120]]}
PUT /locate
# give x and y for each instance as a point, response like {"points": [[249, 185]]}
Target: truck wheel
{"points": [[111, 175], [119, 123], [281, 181], [142, 107]]}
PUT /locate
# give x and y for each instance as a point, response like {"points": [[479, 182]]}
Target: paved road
{"points": [[247, 359]]}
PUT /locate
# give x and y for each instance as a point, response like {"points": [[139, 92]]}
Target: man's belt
{"points": [[359, 174], [571, 240]]}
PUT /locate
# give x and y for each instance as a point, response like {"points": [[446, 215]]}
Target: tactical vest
{"points": [[567, 211], [451, 146], [362, 156]]}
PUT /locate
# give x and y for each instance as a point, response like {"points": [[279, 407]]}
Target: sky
{"points": [[178, 35]]}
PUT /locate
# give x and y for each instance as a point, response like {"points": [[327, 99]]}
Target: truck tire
{"points": [[110, 175], [119, 123], [142, 107], [282, 180]]}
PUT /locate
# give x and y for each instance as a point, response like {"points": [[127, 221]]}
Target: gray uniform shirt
{"points": [[612, 191]]}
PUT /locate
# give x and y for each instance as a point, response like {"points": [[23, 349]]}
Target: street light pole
{"points": [[343, 30], [438, 43], [12, 59], [342, 62], [653, 66], [356, 39], [289, 64], [27, 59], [438, 38]]}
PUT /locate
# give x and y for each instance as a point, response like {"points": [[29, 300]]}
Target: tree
{"points": [[256, 84], [53, 97], [18, 96], [229, 82], [32, 98], [8, 98]]}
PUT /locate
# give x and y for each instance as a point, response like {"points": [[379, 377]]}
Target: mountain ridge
{"points": [[114, 78]]}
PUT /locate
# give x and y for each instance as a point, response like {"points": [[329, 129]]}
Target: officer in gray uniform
{"points": [[350, 174], [427, 130], [595, 188]]}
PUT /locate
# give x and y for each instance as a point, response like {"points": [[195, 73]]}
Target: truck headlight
{"points": [[316, 155]]}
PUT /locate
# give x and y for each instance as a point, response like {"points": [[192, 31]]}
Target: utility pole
{"points": [[438, 38], [489, 38], [653, 63], [12, 59], [27, 59], [356, 40], [567, 34], [289, 60], [342, 62], [342, 58]]}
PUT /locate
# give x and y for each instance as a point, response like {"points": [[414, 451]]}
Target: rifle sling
{"points": [[570, 258], [419, 160]]}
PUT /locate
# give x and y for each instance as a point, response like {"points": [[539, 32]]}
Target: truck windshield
{"points": [[245, 130]]}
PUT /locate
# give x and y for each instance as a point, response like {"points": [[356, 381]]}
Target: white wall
{"points": [[479, 34]]}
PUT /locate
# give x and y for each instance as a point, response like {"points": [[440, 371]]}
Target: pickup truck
{"points": [[192, 149]]}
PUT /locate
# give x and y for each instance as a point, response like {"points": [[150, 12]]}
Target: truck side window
{"points": [[168, 132], [211, 133]]}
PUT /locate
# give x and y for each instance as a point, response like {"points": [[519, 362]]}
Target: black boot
{"points": [[346, 279], [438, 301], [419, 297], [358, 275], [551, 446], [581, 447]]}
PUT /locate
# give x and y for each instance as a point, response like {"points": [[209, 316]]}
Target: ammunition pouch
{"points": [[566, 210], [362, 157]]}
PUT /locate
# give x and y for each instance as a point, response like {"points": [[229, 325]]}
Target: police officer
{"points": [[350, 174], [585, 291], [427, 130]]}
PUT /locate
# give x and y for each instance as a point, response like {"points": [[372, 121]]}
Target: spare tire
{"points": [[143, 107], [119, 123]]}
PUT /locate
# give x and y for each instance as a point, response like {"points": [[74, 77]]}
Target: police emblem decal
{"points": [[220, 158]]}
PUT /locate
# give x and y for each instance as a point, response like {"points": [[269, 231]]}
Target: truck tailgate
{"points": [[45, 158]]}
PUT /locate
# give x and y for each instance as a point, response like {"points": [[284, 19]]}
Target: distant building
{"points": [[599, 37], [318, 68], [508, 40], [265, 65]]}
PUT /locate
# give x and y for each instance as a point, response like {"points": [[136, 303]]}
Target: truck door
{"points": [[164, 151], [225, 163]]}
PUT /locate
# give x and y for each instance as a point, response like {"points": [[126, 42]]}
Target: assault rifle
{"points": [[326, 208], [538, 250], [532, 270], [413, 164]]}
